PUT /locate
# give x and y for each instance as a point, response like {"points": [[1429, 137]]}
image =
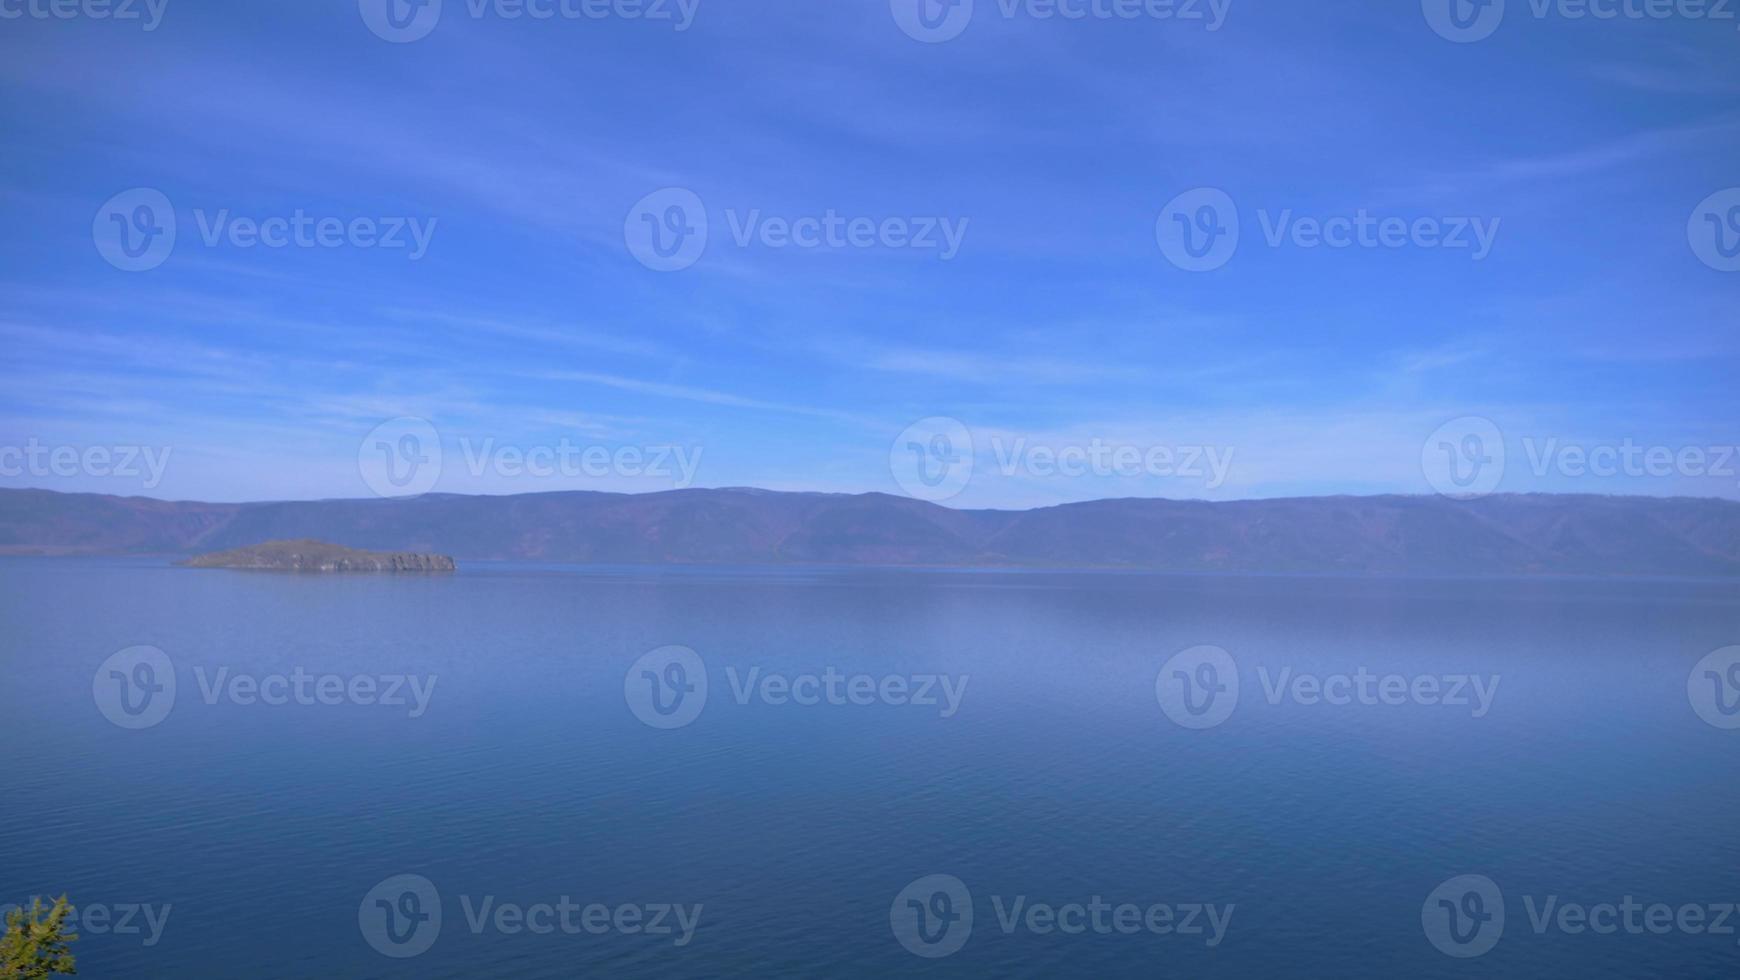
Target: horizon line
{"points": [[879, 493]]}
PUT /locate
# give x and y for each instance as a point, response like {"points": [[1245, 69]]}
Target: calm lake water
{"points": [[564, 791]]}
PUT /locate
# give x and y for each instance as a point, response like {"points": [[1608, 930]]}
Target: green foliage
{"points": [[35, 944]]}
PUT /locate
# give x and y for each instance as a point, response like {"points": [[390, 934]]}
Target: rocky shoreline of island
{"points": [[308, 555]]}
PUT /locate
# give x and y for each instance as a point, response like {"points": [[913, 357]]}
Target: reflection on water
{"points": [[543, 771]]}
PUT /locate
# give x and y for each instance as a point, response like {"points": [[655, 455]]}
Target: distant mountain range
{"points": [[1503, 534]]}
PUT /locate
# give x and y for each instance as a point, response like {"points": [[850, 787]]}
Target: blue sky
{"points": [[522, 147]]}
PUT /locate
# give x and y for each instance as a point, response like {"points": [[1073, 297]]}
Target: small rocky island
{"points": [[307, 555]]}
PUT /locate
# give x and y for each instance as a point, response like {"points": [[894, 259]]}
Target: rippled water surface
{"points": [[524, 772]]}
